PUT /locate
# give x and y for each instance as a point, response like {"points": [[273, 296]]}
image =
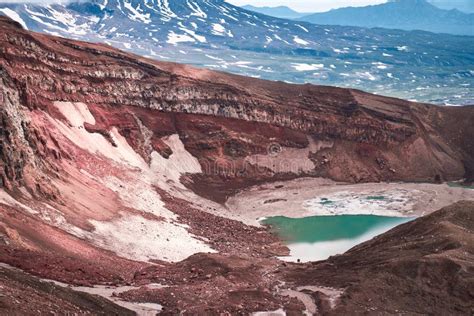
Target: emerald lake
{"points": [[319, 237]]}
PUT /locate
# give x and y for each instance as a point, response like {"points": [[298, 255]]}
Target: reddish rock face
{"points": [[225, 119], [98, 148]]}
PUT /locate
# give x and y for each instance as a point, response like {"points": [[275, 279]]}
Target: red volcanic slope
{"points": [[111, 165], [216, 114]]}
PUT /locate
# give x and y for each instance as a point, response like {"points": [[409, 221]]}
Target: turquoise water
{"points": [[318, 237], [460, 185]]}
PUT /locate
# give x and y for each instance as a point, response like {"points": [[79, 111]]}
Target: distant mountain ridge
{"points": [[466, 6], [399, 14], [283, 12]]}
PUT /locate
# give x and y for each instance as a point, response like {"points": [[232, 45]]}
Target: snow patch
{"points": [[77, 114], [307, 67], [303, 28], [365, 75], [196, 10], [278, 312], [6, 199], [300, 41], [138, 238], [387, 203], [402, 48], [174, 38], [380, 65], [179, 163], [14, 16], [133, 236], [136, 15], [199, 38], [220, 30]]}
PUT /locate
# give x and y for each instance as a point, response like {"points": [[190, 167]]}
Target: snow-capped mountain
{"points": [[215, 34], [197, 22]]}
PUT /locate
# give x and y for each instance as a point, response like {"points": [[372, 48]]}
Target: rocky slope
{"points": [[114, 167], [329, 131], [425, 266], [23, 294]]}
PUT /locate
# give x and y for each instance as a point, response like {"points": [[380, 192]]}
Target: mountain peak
{"points": [[283, 12], [399, 14], [411, 2]]}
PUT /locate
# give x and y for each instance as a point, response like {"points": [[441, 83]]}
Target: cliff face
{"points": [[226, 120], [52, 69], [22, 151]]}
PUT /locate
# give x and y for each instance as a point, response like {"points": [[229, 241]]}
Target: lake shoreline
{"points": [[317, 238], [305, 197]]}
